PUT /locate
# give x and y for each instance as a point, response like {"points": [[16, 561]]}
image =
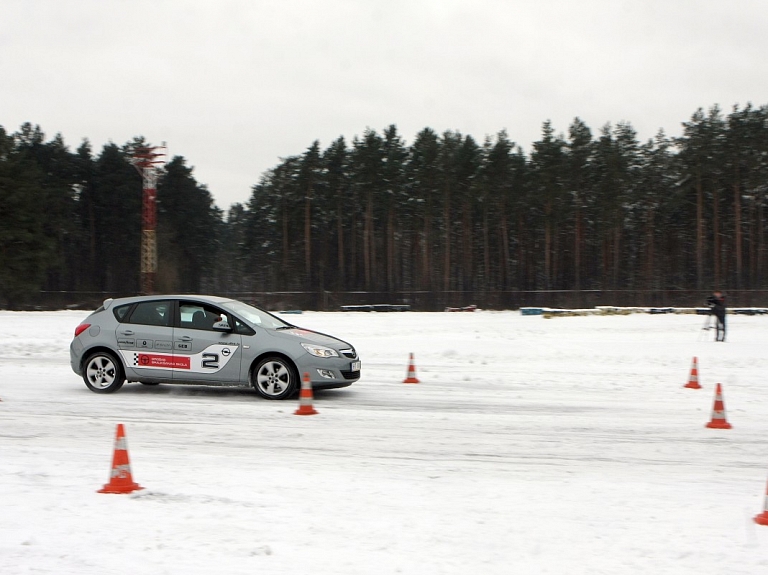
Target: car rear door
{"points": [[145, 341], [203, 349]]}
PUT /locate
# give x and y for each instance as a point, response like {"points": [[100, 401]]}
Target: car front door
{"points": [[145, 341], [205, 347]]}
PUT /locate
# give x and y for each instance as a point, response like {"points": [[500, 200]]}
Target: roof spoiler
{"points": [[107, 303]]}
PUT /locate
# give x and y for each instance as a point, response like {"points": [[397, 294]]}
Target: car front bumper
{"points": [[331, 373]]}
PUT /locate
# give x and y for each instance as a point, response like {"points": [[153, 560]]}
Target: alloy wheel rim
{"points": [[101, 372], [273, 378]]}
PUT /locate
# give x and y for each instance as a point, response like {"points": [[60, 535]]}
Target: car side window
{"points": [[243, 329], [121, 311], [200, 316], [151, 313]]}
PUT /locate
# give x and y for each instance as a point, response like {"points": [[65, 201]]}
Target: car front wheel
{"points": [[103, 373], [275, 378]]}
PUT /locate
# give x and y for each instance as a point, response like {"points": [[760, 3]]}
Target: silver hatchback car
{"points": [[205, 340]]}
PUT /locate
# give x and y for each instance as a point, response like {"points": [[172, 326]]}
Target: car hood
{"points": [[309, 336]]}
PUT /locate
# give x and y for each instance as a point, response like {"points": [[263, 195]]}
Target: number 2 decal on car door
{"points": [[210, 360]]}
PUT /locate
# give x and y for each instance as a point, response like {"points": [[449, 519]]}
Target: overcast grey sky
{"points": [[234, 85]]}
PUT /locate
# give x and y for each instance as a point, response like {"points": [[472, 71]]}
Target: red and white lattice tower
{"points": [[148, 160]]}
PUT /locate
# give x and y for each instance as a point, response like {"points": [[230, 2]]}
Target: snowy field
{"points": [[531, 446]]}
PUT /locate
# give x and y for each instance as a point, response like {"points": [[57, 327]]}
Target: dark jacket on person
{"points": [[717, 305]]}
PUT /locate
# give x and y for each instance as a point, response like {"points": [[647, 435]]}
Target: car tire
{"points": [[103, 372], [275, 378]]}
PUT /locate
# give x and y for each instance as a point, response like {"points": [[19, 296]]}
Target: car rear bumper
{"points": [[76, 356]]}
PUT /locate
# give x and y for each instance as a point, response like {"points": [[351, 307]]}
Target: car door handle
{"points": [[185, 338], [127, 332]]}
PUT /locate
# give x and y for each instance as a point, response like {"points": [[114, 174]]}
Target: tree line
{"points": [[447, 213], [70, 221]]}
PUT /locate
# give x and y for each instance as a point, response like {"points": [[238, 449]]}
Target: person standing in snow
{"points": [[716, 304]]}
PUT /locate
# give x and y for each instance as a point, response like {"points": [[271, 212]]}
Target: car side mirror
{"points": [[221, 326]]}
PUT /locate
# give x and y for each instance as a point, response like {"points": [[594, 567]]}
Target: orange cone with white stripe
{"points": [[718, 420], [693, 379], [762, 518], [411, 378], [120, 480], [305, 398]]}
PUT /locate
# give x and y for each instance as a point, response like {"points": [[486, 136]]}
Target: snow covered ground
{"points": [[531, 446]]}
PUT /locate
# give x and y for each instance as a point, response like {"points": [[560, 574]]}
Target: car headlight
{"points": [[319, 350]]}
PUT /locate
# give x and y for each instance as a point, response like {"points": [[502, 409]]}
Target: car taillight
{"points": [[81, 328]]}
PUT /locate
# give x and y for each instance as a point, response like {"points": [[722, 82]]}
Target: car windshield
{"points": [[255, 316]]}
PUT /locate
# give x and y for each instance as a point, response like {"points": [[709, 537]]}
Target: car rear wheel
{"points": [[275, 378], [103, 373]]}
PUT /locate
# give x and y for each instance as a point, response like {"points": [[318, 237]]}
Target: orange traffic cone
{"points": [[120, 480], [693, 379], [762, 518], [305, 398], [718, 411], [411, 372]]}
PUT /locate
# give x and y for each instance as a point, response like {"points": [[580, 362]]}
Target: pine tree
{"points": [[188, 229], [117, 193], [337, 194], [25, 249], [368, 159], [580, 149], [548, 161], [423, 175]]}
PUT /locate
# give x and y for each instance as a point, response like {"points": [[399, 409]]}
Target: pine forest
{"points": [[583, 218]]}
